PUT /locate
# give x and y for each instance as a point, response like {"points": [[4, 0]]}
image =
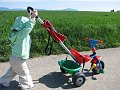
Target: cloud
{"points": [[57, 0], [87, 0]]}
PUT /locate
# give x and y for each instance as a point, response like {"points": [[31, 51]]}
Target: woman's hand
{"points": [[34, 14]]}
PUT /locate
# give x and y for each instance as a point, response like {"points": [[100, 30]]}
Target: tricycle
{"points": [[74, 66]]}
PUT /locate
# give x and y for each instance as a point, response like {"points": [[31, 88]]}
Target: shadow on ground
{"points": [[57, 79], [51, 80], [87, 73], [13, 86]]}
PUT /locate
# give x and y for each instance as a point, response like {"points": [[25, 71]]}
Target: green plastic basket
{"points": [[70, 66]]}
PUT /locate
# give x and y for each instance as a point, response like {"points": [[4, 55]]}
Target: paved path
{"points": [[47, 76]]}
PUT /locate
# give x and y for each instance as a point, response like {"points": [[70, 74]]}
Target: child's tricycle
{"points": [[70, 66], [97, 66]]}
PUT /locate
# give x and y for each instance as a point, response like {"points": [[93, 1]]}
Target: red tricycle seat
{"points": [[81, 58]]}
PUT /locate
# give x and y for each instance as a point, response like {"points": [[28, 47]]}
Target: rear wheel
{"points": [[78, 80]]}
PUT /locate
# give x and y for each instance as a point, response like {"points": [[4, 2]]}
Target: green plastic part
{"points": [[70, 66]]}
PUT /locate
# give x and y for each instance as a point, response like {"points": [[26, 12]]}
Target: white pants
{"points": [[18, 67]]}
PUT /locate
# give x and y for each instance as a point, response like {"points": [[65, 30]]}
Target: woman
{"points": [[20, 39]]}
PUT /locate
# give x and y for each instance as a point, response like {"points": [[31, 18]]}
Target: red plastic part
{"points": [[100, 41], [81, 58], [96, 59], [57, 36], [93, 49], [47, 24], [87, 39]]}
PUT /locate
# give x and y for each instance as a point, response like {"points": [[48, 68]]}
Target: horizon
{"points": [[80, 5]]}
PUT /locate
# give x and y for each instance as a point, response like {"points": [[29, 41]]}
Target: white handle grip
{"points": [[40, 20]]}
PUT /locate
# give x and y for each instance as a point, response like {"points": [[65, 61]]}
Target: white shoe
{"points": [[25, 88], [21, 88]]}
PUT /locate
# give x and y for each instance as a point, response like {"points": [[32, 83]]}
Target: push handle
{"points": [[29, 9], [39, 20]]}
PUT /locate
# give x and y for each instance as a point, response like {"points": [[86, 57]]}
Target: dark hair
{"points": [[29, 8]]}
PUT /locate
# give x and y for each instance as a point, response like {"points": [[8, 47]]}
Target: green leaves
{"points": [[75, 25]]}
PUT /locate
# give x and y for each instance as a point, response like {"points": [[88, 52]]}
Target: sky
{"points": [[81, 5]]}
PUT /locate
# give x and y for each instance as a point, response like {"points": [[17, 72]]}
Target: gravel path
{"points": [[47, 76]]}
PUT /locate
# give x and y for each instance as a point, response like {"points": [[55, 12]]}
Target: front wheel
{"points": [[99, 68], [96, 70], [102, 64], [78, 80]]}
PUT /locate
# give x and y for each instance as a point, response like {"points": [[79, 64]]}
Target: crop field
{"points": [[76, 25]]}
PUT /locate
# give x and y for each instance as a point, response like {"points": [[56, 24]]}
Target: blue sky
{"points": [[82, 5]]}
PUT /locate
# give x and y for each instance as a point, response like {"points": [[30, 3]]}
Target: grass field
{"points": [[76, 25]]}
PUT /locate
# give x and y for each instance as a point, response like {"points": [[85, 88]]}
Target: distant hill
{"points": [[69, 9], [17, 9], [41, 9], [20, 9], [4, 8]]}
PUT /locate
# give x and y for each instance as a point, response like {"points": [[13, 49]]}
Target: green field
{"points": [[75, 25]]}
